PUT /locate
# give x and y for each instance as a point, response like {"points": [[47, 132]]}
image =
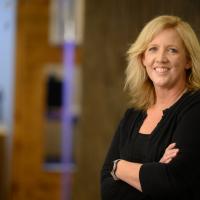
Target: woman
{"points": [[155, 150]]}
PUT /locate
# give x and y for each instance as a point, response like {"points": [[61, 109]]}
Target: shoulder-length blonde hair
{"points": [[137, 82]]}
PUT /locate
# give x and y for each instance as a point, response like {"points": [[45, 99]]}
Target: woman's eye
{"points": [[172, 50], [151, 49]]}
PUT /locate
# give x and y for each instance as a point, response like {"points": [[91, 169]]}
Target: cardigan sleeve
{"points": [[109, 187], [180, 177]]}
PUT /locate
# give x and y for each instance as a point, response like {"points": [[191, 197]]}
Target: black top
{"points": [[140, 147], [177, 180]]}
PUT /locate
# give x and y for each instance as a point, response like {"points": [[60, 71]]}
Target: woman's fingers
{"points": [[171, 146], [170, 153], [168, 160]]}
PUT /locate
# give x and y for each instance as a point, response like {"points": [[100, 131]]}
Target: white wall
{"points": [[7, 59]]}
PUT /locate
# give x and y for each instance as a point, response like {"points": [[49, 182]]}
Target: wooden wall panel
{"points": [[110, 27], [33, 52]]}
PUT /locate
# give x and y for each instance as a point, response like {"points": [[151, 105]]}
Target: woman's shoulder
{"points": [[192, 98], [130, 115], [190, 103]]}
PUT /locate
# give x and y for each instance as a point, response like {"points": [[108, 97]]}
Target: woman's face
{"points": [[165, 60]]}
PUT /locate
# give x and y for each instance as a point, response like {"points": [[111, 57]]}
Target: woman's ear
{"points": [[188, 65]]}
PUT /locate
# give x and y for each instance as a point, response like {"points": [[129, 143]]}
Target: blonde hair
{"points": [[137, 82]]}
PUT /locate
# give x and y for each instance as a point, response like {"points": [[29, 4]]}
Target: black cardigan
{"points": [[178, 180]]}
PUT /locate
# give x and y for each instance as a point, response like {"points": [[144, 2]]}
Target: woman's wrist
{"points": [[120, 169], [129, 172]]}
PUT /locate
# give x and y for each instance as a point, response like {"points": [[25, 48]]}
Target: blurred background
{"points": [[62, 68]]}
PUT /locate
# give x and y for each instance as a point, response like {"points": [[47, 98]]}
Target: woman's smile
{"points": [[162, 70]]}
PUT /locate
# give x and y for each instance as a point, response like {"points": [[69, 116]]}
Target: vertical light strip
{"points": [[68, 7], [67, 120]]}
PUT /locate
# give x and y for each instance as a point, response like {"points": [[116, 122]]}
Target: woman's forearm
{"points": [[129, 173]]}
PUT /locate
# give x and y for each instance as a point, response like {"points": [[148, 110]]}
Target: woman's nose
{"points": [[161, 57]]}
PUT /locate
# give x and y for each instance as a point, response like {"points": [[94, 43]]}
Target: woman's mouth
{"points": [[161, 69]]}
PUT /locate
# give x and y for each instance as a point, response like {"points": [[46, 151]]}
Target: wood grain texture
{"points": [[33, 52], [110, 27]]}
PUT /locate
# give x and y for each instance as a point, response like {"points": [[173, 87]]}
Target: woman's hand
{"points": [[170, 153]]}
